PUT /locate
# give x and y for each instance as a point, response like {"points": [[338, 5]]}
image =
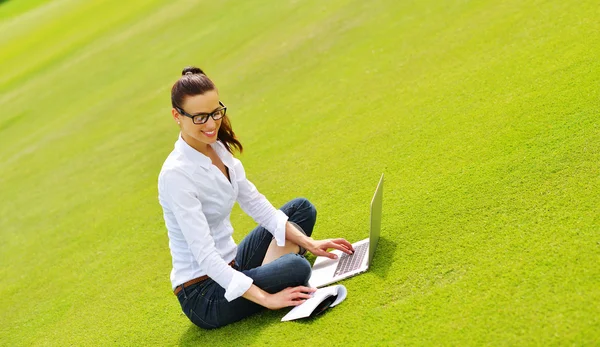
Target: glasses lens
{"points": [[218, 114], [200, 119]]}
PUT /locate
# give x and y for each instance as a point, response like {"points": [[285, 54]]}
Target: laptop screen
{"points": [[375, 219]]}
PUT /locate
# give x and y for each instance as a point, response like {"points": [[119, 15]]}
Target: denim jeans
{"points": [[204, 303]]}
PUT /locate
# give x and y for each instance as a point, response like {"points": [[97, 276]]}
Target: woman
{"points": [[216, 281]]}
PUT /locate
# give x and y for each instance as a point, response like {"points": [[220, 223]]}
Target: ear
{"points": [[175, 115]]}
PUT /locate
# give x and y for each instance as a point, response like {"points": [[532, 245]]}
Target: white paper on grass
{"points": [[304, 310]]}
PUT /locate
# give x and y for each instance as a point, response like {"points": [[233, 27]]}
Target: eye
{"points": [[201, 118]]}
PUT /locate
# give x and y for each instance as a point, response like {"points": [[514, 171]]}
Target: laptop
{"points": [[326, 271]]}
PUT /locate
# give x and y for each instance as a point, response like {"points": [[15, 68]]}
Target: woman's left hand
{"points": [[320, 247]]}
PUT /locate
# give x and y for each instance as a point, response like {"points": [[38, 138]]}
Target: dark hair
{"points": [[193, 81]]}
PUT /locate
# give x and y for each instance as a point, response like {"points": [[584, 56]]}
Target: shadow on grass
{"points": [[312, 320], [384, 256], [241, 333], [247, 330]]}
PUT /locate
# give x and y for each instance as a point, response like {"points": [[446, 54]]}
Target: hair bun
{"points": [[192, 70]]}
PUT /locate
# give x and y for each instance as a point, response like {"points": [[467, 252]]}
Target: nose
{"points": [[210, 123]]}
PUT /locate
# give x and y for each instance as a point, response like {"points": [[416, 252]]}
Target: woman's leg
{"points": [[254, 248], [290, 270], [301, 212], [205, 303]]}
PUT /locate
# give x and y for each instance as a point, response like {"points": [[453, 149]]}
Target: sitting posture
{"points": [[216, 281]]}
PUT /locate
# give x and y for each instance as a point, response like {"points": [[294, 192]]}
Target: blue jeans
{"points": [[204, 303]]}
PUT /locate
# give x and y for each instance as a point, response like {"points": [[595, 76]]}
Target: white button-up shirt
{"points": [[197, 200]]}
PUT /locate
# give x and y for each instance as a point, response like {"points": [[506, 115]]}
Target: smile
{"points": [[210, 133]]}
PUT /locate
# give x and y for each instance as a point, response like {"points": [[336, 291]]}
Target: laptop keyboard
{"points": [[352, 262]]}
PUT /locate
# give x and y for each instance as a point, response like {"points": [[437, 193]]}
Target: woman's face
{"points": [[205, 103]]}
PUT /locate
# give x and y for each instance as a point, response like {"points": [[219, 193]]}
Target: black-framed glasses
{"points": [[202, 118]]}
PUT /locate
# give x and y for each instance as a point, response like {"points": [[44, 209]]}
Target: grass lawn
{"points": [[483, 115]]}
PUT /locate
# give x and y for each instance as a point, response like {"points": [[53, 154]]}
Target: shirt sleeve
{"points": [[187, 209], [258, 207]]}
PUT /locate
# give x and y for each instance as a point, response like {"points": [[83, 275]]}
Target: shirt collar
{"points": [[202, 159], [192, 154], [223, 153]]}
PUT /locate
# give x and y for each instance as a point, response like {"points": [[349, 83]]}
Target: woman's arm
{"points": [[258, 207], [292, 296], [180, 194], [317, 247]]}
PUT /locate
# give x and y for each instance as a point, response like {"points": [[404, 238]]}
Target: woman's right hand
{"points": [[291, 296]]}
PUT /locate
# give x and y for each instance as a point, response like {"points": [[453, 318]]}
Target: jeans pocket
{"points": [[206, 288], [193, 292]]}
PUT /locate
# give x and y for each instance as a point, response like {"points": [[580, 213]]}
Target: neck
{"points": [[195, 144]]}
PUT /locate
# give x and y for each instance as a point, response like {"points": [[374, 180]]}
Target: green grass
{"points": [[483, 116]]}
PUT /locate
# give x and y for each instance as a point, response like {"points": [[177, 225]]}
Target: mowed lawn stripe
{"points": [[481, 114]]}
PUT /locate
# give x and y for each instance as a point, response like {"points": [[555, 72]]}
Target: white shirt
{"points": [[197, 199]]}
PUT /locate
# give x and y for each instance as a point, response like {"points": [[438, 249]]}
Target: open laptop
{"points": [[326, 271]]}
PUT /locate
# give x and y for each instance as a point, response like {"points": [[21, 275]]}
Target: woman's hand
{"points": [[320, 247], [291, 296]]}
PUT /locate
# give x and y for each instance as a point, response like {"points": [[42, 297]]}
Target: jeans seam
{"points": [[192, 313], [253, 254]]}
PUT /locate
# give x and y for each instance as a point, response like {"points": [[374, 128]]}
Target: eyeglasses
{"points": [[202, 118]]}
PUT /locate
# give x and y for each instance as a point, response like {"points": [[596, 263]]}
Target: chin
{"points": [[211, 141], [205, 139]]}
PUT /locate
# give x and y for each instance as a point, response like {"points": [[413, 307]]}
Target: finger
{"points": [[345, 249], [300, 296], [334, 244], [303, 296], [323, 253], [345, 243], [340, 247], [304, 289]]}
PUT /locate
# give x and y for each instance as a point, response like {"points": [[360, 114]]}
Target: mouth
{"points": [[211, 133]]}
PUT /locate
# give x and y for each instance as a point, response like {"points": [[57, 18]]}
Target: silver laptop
{"points": [[326, 271]]}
